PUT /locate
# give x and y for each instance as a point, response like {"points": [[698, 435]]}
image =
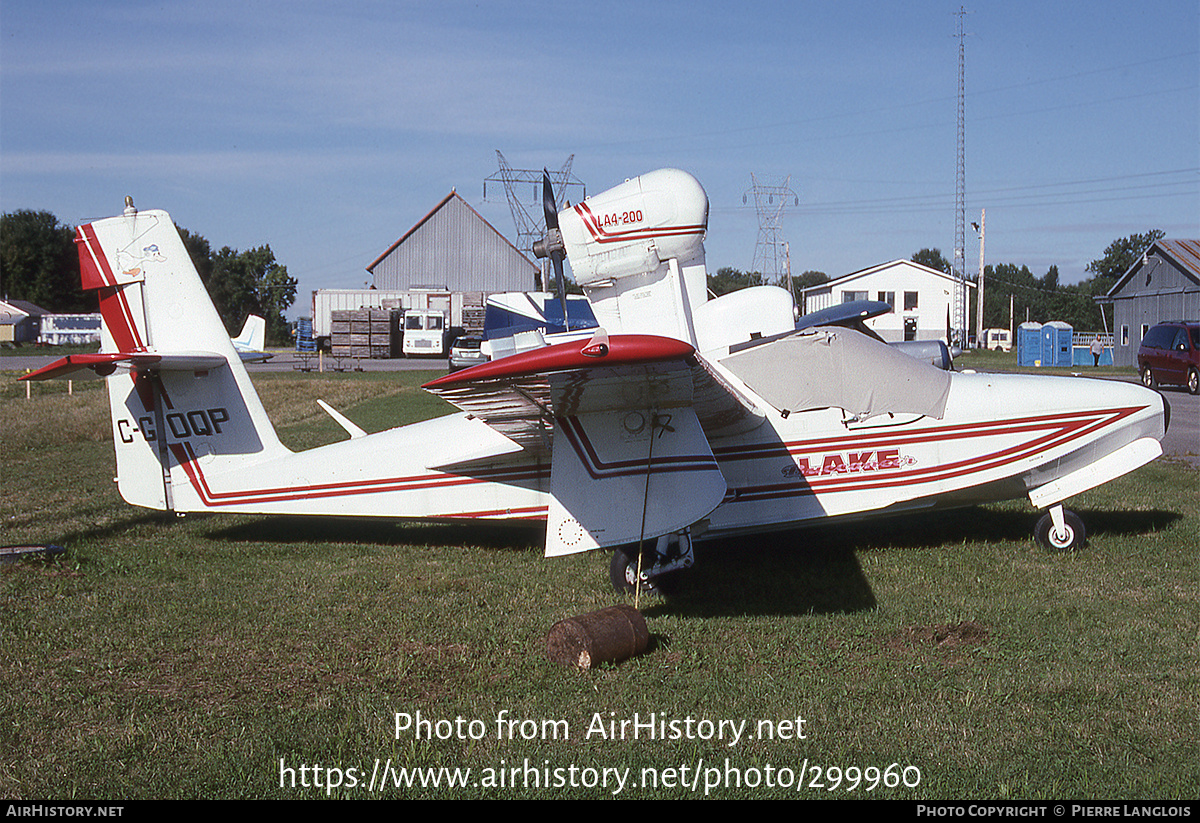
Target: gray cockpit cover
{"points": [[830, 367]]}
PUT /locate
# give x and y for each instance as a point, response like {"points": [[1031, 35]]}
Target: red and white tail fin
{"points": [[176, 383]]}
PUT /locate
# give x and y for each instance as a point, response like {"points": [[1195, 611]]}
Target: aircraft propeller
{"points": [[552, 245]]}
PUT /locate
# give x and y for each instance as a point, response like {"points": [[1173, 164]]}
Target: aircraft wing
{"points": [[625, 422], [520, 396]]}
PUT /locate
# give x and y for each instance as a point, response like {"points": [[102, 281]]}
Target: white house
{"points": [[70, 329], [920, 298]]}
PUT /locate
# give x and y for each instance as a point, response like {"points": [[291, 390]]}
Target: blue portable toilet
{"points": [[1029, 344], [1056, 344]]}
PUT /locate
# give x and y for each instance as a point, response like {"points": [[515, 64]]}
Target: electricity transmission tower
{"points": [[961, 314], [770, 257], [527, 211]]}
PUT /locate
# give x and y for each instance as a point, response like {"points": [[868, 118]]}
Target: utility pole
{"points": [[787, 254], [979, 309]]}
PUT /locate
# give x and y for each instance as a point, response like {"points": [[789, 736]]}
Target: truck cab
{"points": [[424, 332]]}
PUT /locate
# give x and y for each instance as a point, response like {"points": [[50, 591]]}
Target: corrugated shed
{"points": [[1185, 254], [1163, 285], [454, 248]]}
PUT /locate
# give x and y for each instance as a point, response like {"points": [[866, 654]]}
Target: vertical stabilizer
{"points": [[177, 386]]}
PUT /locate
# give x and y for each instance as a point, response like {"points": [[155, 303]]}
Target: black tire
{"points": [[1193, 381], [623, 570], [1148, 378], [1071, 539]]}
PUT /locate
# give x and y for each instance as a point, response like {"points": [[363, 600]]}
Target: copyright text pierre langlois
{"points": [[1059, 810]]}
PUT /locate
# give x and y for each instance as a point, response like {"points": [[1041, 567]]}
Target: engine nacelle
{"points": [[638, 252], [633, 227]]}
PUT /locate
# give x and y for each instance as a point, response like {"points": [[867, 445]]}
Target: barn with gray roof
{"points": [[454, 249], [1164, 284]]}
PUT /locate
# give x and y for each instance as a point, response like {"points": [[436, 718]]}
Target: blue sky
{"points": [[327, 130]]}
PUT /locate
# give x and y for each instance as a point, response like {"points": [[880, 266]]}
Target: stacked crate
{"points": [[363, 333], [473, 311]]}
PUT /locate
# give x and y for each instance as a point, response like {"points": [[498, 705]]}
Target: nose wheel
{"points": [[1060, 530]]}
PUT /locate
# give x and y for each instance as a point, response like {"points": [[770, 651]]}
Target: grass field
{"points": [[941, 657]]}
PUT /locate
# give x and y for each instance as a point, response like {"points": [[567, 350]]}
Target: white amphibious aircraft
{"points": [[680, 418]]}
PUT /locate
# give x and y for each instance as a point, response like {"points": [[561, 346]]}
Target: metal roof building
{"points": [[1164, 284], [454, 249]]}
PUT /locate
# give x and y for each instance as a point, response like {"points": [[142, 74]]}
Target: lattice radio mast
{"points": [[527, 211], [961, 314], [770, 257]]}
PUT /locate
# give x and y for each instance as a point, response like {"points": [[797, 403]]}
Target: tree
{"points": [[1118, 258], [801, 282], [1039, 299], [38, 262], [728, 279], [934, 260], [810, 278], [249, 282], [199, 250], [1050, 280]]}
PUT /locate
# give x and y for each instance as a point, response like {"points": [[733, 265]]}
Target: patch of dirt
{"points": [[948, 637]]}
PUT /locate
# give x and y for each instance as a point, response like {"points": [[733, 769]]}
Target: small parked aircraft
{"points": [[679, 418], [252, 341]]}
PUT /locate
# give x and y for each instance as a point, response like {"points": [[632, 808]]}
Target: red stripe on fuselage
{"points": [[1059, 430], [186, 457]]}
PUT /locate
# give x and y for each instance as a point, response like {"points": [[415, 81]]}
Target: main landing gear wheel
{"points": [[623, 570], [668, 555], [1067, 537]]}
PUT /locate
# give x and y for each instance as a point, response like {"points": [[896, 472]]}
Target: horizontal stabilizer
{"points": [[104, 364]]}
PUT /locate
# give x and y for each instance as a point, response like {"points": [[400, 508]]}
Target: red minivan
{"points": [[1170, 354]]}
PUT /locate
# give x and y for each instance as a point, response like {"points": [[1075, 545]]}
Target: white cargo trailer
{"points": [[463, 310]]}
